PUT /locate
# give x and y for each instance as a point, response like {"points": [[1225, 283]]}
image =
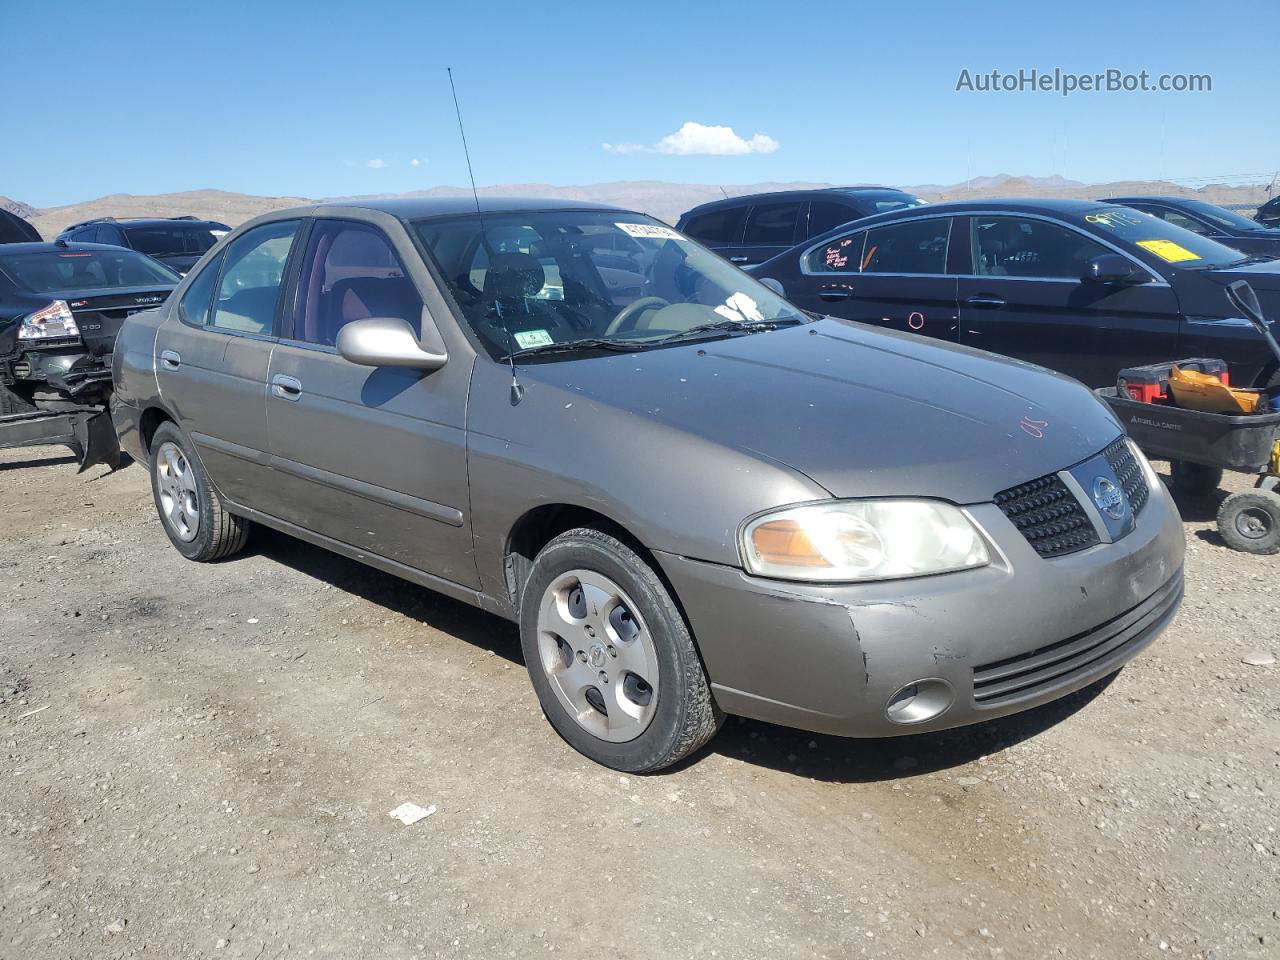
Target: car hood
{"points": [[1264, 277], [858, 410]]}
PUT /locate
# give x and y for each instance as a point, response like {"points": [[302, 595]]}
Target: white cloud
{"points": [[415, 162], [699, 139], [377, 163]]}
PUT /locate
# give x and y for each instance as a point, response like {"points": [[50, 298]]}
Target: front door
{"points": [[1026, 300], [212, 355], [374, 458]]}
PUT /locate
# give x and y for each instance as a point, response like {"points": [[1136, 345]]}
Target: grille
{"points": [[1030, 674], [1129, 473], [1049, 516]]}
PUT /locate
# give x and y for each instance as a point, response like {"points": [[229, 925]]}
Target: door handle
{"points": [[987, 302], [833, 294], [286, 388], [171, 359], [738, 259]]}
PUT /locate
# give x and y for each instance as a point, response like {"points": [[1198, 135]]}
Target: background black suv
{"points": [[753, 228], [176, 241]]}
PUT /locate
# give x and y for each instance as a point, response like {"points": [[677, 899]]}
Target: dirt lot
{"points": [[217, 749]]}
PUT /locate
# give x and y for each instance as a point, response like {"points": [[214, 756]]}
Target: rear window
{"points": [[51, 271], [173, 239]]}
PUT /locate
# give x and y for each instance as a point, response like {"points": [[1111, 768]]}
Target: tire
{"points": [[1193, 479], [190, 510], [1250, 521], [621, 635]]}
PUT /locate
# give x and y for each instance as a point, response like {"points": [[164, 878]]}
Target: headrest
{"points": [[513, 276]]}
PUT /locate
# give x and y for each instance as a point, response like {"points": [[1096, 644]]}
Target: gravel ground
{"points": [[200, 761]]}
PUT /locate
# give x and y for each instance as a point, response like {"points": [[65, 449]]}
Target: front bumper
{"points": [[1010, 636]]}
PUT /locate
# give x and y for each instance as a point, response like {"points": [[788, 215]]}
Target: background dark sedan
{"points": [[1081, 287], [1217, 223], [1269, 213], [61, 306]]}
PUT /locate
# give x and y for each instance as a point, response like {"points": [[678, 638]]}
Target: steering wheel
{"points": [[632, 311]]}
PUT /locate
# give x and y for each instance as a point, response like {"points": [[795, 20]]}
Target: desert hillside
{"points": [[661, 199]]}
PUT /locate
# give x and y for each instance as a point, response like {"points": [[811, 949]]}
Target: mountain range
{"points": [[661, 199]]}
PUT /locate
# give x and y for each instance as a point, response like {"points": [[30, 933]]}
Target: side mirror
{"points": [[774, 285], [1114, 270], [1244, 299], [385, 342]]}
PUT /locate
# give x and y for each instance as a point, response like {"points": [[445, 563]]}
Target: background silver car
{"points": [[693, 498]]}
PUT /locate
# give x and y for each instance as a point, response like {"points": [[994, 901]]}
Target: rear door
{"points": [[1025, 299], [374, 458], [826, 215], [894, 276], [772, 227], [212, 354]]}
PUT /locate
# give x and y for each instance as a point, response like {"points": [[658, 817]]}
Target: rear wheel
{"points": [[610, 657], [197, 523], [1194, 479], [1250, 521]]}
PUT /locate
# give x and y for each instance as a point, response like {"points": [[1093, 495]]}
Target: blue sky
{"points": [[324, 98]]}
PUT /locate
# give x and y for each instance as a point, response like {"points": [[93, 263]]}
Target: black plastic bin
{"points": [[1214, 439]]}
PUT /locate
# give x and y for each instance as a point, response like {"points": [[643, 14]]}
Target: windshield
{"points": [[1160, 239], [49, 271], [1226, 218], [540, 279], [173, 239]]}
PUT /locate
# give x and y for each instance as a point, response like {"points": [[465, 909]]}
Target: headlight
{"points": [[1148, 471], [847, 540], [55, 320]]}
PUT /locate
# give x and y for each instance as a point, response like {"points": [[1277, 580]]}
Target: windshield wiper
{"points": [[1255, 258], [726, 326], [572, 346]]}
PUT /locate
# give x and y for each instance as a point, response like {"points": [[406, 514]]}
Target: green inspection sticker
{"points": [[533, 338]]}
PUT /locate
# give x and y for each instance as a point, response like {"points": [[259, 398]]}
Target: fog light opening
{"points": [[920, 701]]}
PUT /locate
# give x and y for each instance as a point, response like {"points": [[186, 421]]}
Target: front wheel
{"points": [[1250, 521], [611, 659], [197, 523]]}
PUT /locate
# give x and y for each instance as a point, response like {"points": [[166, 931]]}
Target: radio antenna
{"points": [[517, 390]]}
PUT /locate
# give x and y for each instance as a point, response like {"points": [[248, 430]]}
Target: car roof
{"points": [[154, 221], [52, 247], [415, 208], [1054, 206], [815, 193], [1150, 196]]}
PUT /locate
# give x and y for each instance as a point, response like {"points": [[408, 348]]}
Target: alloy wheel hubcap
{"points": [[597, 651], [179, 498]]}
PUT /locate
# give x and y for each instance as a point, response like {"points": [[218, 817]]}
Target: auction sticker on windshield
{"points": [[1167, 250], [532, 338], [648, 231]]}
